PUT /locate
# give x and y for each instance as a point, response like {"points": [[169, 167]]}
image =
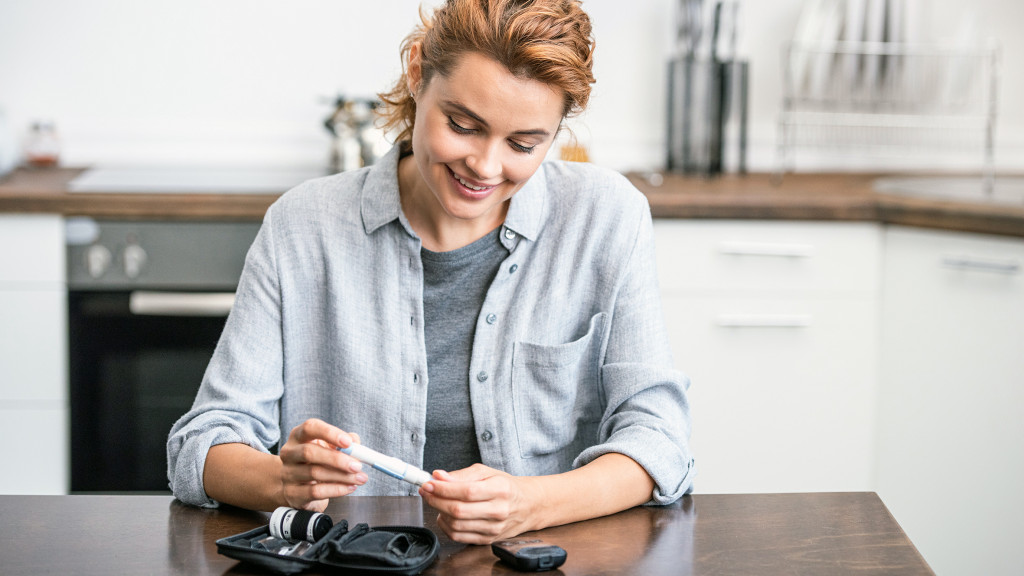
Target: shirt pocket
{"points": [[555, 393]]}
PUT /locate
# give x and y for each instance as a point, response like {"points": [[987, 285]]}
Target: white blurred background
{"points": [[250, 82]]}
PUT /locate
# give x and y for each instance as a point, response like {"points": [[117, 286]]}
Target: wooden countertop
{"points": [[841, 197], [46, 191], [821, 196], [784, 534]]}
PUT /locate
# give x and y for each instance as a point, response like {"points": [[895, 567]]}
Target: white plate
{"points": [[807, 27], [853, 32], [874, 32], [824, 59], [895, 34], [917, 75]]}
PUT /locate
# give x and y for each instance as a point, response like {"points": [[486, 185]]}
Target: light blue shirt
{"points": [[570, 358]]}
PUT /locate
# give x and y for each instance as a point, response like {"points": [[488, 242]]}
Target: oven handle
{"points": [[146, 303]]}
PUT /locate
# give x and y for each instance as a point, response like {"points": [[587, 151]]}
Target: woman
{"points": [[459, 304]]}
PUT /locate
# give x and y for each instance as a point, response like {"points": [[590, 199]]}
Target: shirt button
{"points": [[513, 268], [482, 376], [492, 318], [413, 437], [486, 436], [509, 234]]}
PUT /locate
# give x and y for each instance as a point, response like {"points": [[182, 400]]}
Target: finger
{"points": [[435, 475], [490, 510], [314, 429], [470, 474], [305, 474], [301, 502], [316, 454], [484, 527], [483, 490], [475, 532], [304, 495]]}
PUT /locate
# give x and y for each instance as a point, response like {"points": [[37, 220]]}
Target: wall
{"points": [[246, 82]]}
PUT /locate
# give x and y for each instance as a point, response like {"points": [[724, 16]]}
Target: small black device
{"points": [[530, 555]]}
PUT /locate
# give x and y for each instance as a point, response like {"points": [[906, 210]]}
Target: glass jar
{"points": [[42, 147]]}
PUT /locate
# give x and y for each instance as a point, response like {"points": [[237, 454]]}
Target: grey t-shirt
{"points": [[454, 287]]}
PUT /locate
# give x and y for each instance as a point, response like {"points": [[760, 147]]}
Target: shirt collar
{"points": [[380, 202], [526, 211]]}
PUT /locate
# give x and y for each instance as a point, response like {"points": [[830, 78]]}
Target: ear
{"points": [[414, 70]]}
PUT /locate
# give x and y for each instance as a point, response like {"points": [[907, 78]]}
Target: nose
{"points": [[485, 161]]}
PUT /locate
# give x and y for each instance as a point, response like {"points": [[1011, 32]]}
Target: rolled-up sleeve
{"points": [[646, 410], [648, 419], [239, 398]]}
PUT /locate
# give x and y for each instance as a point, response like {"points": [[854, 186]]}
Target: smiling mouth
{"points": [[469, 184]]}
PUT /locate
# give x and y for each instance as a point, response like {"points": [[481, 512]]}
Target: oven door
{"points": [[136, 362]]}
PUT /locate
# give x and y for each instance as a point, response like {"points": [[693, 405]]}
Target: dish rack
{"points": [[889, 99]]}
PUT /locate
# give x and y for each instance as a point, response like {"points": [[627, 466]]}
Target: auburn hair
{"points": [[545, 40]]}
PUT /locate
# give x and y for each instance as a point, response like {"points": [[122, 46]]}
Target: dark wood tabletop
{"points": [[762, 534]]}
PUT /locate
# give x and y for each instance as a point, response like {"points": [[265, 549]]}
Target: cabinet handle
{"points": [[997, 265], [740, 248], [143, 303], [764, 320]]}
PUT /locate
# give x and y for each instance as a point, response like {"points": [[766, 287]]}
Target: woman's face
{"points": [[480, 134]]}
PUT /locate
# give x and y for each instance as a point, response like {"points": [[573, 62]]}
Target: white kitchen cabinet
{"points": [[776, 324], [33, 345], [950, 445], [36, 455], [34, 412], [31, 251]]}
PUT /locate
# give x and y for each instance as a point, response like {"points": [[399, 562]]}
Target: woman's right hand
{"points": [[314, 470]]}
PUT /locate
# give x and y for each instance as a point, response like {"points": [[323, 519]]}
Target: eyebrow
{"points": [[476, 118]]}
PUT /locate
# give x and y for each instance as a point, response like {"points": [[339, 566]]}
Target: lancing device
{"points": [[387, 464]]}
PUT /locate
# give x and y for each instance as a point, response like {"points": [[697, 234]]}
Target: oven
{"points": [[147, 302]]}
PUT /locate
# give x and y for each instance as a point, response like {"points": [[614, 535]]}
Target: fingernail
{"points": [[344, 439], [428, 487], [355, 466], [362, 478]]}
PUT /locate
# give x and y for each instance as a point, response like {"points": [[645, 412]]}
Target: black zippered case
{"points": [[401, 550]]}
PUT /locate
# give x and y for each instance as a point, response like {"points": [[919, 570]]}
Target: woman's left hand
{"points": [[480, 505]]}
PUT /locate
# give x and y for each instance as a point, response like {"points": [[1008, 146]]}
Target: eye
{"points": [[457, 127], [520, 148]]}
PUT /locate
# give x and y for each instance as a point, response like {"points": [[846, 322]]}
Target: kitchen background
{"points": [[249, 83], [862, 399]]}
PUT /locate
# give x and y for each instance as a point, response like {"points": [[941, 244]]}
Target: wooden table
{"points": [[762, 534]]}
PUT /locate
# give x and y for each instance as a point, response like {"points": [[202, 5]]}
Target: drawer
{"points": [[783, 390], [970, 266], [31, 250], [767, 256]]}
